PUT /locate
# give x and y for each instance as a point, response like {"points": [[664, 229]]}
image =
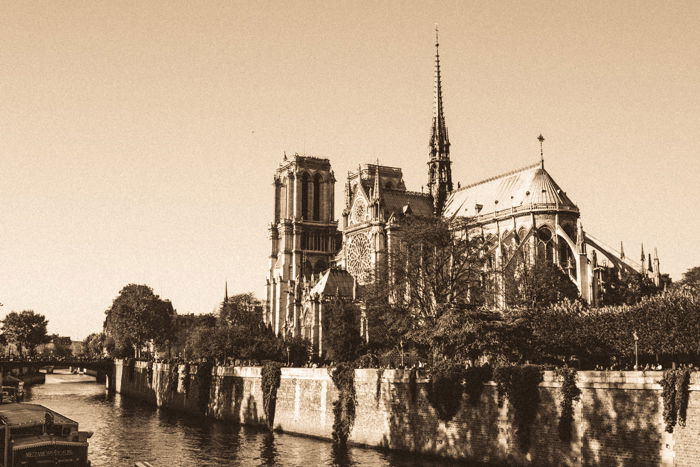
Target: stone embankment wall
{"points": [[618, 420]]}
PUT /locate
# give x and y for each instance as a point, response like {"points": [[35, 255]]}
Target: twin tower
{"points": [[305, 237]]}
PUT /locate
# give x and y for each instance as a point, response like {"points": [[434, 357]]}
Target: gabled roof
{"points": [[394, 202], [528, 188], [335, 281]]}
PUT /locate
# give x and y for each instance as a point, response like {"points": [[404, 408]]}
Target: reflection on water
{"points": [[126, 431]]}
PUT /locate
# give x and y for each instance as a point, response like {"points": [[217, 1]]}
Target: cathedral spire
{"points": [[377, 183], [541, 140], [439, 171], [225, 291]]}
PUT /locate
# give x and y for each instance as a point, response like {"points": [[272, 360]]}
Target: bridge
{"points": [[100, 367]]}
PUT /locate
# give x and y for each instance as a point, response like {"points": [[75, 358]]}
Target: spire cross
{"points": [[541, 140]]}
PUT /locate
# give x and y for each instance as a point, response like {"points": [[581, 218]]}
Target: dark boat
{"points": [[33, 435]]}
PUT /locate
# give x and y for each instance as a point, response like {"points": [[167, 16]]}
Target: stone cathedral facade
{"points": [[315, 262]]}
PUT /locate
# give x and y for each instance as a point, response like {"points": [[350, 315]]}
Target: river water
{"points": [[127, 430]]}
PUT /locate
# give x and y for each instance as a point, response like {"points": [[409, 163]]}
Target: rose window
{"points": [[359, 257], [358, 211]]}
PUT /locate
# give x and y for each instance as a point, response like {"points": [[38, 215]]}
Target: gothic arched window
{"points": [[305, 196], [317, 197], [545, 244]]}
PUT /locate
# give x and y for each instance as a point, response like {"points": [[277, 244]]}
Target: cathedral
{"points": [[315, 262]]}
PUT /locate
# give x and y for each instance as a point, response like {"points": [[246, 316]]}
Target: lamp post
{"points": [[636, 353]]}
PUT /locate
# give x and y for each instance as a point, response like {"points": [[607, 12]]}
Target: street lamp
{"points": [[636, 353]]}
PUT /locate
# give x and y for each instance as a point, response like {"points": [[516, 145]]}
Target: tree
{"points": [[628, 289], [691, 278], [239, 308], [538, 284], [25, 329], [94, 345], [59, 346], [138, 316], [343, 339], [436, 267], [239, 332]]}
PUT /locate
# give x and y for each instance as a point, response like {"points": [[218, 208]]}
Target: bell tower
{"points": [[302, 235], [439, 165]]}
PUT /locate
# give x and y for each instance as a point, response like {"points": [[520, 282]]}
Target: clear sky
{"points": [[138, 139]]}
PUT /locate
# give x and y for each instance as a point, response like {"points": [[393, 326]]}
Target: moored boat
{"points": [[33, 435]]}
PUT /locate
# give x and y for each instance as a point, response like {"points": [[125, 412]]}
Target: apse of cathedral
{"points": [[314, 262]]}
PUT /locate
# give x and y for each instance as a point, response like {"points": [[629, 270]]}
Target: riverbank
{"points": [[617, 421]]}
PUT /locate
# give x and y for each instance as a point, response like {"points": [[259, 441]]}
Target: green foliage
{"points": [[58, 346], [474, 379], [628, 289], [469, 335], [343, 332], [569, 393], [204, 377], [240, 309], [519, 384], [666, 324], [344, 407], [691, 278], [538, 285], [674, 384], [242, 335], [138, 316], [413, 383], [94, 345], [25, 329], [298, 350], [445, 389], [378, 389], [271, 377]]}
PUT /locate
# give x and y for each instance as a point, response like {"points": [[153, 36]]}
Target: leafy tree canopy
{"points": [[138, 316], [25, 329]]}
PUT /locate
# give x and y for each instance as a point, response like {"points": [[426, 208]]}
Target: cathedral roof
{"points": [[525, 189], [334, 281], [395, 201]]}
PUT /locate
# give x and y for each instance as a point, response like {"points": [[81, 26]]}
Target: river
{"points": [[127, 430]]}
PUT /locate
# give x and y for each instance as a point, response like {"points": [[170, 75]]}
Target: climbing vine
{"points": [[186, 379], [569, 393], [519, 384], [204, 379], [343, 377], [445, 389], [271, 376], [413, 383], [174, 377], [474, 379], [378, 393], [149, 373], [674, 385]]}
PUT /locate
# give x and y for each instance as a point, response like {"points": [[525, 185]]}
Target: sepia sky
{"points": [[138, 139]]}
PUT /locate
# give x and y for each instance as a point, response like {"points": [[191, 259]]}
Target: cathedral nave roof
{"points": [[528, 188]]}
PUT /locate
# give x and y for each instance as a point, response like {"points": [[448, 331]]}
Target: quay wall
{"points": [[618, 420]]}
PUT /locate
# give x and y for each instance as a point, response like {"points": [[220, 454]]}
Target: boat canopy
{"points": [[21, 415]]}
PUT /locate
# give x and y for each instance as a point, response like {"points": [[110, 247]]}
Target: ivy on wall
{"points": [[413, 383], [343, 377], [445, 389], [474, 379], [570, 392], [519, 384], [378, 393], [204, 378], [674, 384], [271, 377]]}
